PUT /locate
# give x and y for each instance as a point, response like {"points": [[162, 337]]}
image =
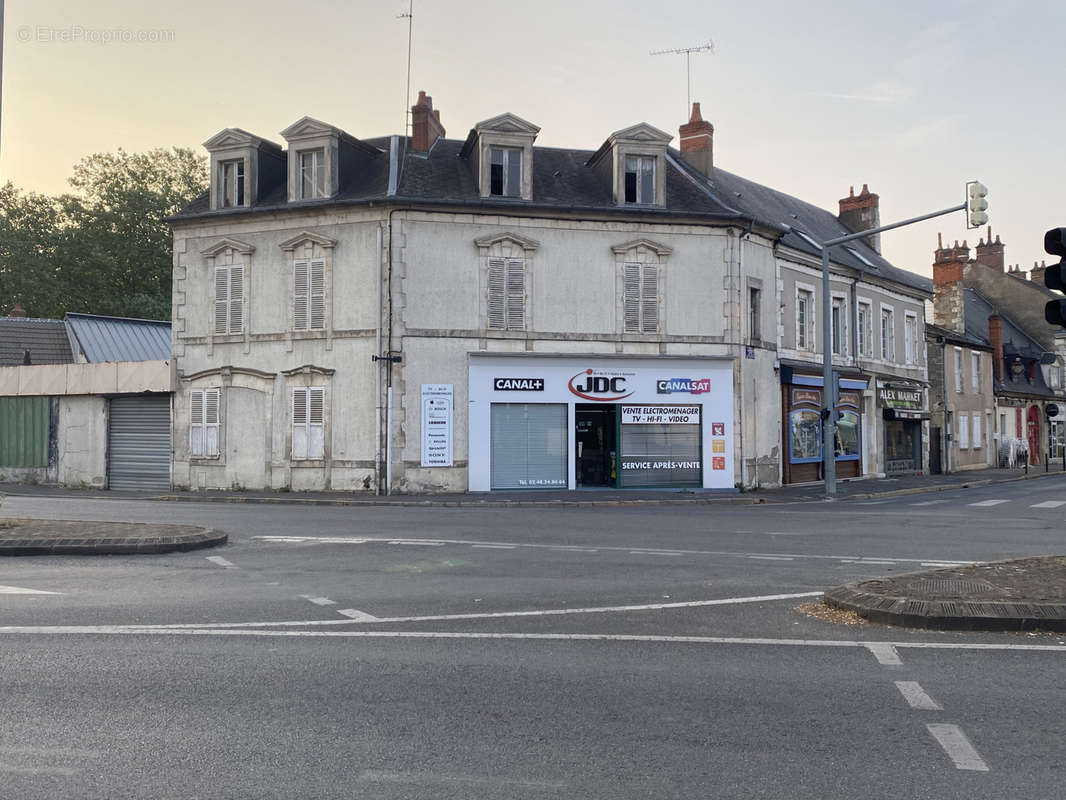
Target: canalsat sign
{"points": [[602, 386], [683, 385]]}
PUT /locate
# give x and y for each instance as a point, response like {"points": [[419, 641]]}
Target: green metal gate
{"points": [[24, 425]]}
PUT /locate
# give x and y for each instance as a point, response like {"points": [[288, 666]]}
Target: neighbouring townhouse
{"points": [[85, 401], [424, 314], [978, 299]]}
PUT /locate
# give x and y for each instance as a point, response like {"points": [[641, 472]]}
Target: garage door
{"points": [[139, 442]]}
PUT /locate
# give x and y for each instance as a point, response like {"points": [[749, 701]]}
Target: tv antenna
{"points": [[687, 53], [409, 15]]}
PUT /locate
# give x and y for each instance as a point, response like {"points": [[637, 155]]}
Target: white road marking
{"points": [[957, 746], [356, 615], [939, 564], [866, 561], [929, 503], [220, 561], [985, 503], [916, 696], [873, 503], [574, 549], [494, 546], [14, 769], [770, 558], [437, 542], [1049, 504], [886, 654], [417, 542], [20, 590], [382, 776], [318, 601], [654, 553]]}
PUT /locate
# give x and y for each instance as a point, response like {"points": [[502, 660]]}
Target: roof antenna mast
{"points": [[409, 15], [687, 52]]}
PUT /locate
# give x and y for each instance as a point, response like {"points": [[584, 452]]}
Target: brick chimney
{"points": [[425, 124], [17, 311], [990, 253], [862, 212], [1017, 271], [948, 266], [1036, 274], [697, 142], [995, 337]]}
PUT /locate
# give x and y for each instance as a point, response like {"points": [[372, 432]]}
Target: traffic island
{"points": [[1016, 594], [34, 537]]}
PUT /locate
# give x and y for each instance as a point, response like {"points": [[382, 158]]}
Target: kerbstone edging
{"points": [[1014, 594], [32, 537]]}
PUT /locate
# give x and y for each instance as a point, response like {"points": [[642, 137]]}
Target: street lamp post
{"points": [[829, 422]]}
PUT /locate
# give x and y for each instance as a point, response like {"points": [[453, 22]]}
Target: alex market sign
{"points": [[906, 397]]}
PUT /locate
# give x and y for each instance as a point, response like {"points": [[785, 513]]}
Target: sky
{"points": [[913, 98]]}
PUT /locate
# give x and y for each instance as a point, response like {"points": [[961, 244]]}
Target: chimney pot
{"points": [[697, 142], [18, 311], [426, 127], [861, 213]]}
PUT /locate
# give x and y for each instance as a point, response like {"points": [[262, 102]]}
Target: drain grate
{"points": [[954, 587]]}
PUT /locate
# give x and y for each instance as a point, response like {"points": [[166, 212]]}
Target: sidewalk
{"points": [[853, 489], [1017, 594]]}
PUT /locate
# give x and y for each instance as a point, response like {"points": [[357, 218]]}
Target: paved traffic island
{"points": [[1016, 594], [34, 537]]}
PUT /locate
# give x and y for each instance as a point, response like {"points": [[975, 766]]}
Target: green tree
{"points": [[115, 250], [30, 229]]}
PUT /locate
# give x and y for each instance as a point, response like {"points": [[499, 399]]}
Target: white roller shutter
{"points": [[529, 446]]}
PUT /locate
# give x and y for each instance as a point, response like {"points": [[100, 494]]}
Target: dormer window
{"points": [[312, 174], [231, 183], [505, 178], [640, 179]]}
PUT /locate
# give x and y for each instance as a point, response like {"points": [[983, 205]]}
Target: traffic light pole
{"points": [[829, 423]]}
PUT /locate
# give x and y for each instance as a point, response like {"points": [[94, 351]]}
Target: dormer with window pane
{"points": [[319, 154], [244, 168], [500, 152], [634, 161]]}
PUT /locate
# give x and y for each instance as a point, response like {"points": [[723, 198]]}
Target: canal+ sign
{"points": [[602, 386]]}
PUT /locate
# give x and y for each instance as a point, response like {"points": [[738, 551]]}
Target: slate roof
{"points": [[957, 338], [46, 339], [562, 181], [119, 338]]}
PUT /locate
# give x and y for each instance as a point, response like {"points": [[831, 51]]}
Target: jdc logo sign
{"points": [[601, 388]]}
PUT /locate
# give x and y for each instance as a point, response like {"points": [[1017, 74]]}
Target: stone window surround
{"points": [[245, 153], [227, 250], [489, 139], [867, 303], [916, 357], [755, 337], [504, 245], [624, 149], [308, 244], [890, 357], [845, 326], [308, 134], [640, 251], [812, 317], [222, 378], [304, 377]]}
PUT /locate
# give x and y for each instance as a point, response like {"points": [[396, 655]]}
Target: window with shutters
{"points": [[308, 423], [507, 294], [958, 370], [888, 334], [309, 294], [910, 337], [865, 328], [804, 319], [975, 372], [204, 423], [229, 299], [641, 298]]}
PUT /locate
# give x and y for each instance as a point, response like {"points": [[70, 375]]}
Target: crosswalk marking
{"points": [[983, 503], [1049, 504]]}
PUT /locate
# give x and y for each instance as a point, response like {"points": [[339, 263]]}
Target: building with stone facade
{"points": [[424, 314], [1000, 312]]}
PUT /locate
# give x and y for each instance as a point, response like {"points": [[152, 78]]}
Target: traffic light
{"points": [[976, 203], [1055, 275]]}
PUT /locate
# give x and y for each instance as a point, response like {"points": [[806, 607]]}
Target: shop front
{"points": [[801, 399], [541, 422], [903, 410]]}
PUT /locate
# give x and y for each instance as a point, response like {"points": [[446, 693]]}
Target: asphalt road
{"points": [[523, 653]]}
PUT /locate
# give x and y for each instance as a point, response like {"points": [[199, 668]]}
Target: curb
{"points": [[177, 498], [74, 546], [949, 614], [952, 486]]}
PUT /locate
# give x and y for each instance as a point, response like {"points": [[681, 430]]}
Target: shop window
{"points": [[805, 437], [847, 436]]}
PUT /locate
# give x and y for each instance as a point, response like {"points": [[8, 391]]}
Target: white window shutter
{"points": [[196, 423], [318, 294], [299, 295], [631, 298], [497, 294], [649, 300], [299, 423], [236, 299], [211, 421], [316, 429], [221, 300], [516, 294]]}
